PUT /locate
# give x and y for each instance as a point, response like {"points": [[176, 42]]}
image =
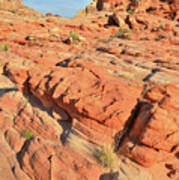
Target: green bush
{"points": [[28, 135], [123, 33], [106, 157], [74, 36], [5, 48], [131, 11]]}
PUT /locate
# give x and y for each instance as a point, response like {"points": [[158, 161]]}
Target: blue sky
{"points": [[67, 8]]}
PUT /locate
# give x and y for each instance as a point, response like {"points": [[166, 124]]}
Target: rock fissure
{"points": [[117, 75]]}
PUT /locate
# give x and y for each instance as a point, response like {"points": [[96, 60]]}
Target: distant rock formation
{"points": [[11, 4], [18, 7], [170, 7]]}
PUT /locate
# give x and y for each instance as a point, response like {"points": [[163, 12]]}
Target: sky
{"points": [[66, 8]]}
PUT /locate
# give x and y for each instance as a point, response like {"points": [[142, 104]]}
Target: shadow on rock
{"points": [[6, 90], [67, 126], [110, 176]]}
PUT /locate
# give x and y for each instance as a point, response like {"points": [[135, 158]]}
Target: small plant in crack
{"points": [[100, 17], [5, 48], [75, 37], [131, 11], [28, 135], [104, 40], [106, 157], [122, 34]]}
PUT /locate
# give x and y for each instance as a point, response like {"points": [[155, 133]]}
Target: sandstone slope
{"points": [[68, 86]]}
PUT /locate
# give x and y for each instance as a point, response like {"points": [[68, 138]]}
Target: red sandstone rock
{"points": [[92, 98], [14, 139], [89, 88], [155, 131]]}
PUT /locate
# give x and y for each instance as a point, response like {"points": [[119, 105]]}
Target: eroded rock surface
{"points": [[153, 136], [111, 74]]}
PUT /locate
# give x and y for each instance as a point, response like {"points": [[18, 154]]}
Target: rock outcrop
{"points": [[70, 85], [11, 4], [153, 134]]}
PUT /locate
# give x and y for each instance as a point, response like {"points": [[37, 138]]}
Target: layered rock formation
{"points": [[67, 86], [11, 4], [153, 134]]}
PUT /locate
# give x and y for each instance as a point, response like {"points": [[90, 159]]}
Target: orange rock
{"points": [[156, 127], [35, 160], [11, 4], [93, 97], [14, 139], [90, 88]]}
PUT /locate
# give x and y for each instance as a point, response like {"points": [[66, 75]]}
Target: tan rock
{"points": [[14, 139], [119, 19], [11, 4], [5, 169], [74, 96]]}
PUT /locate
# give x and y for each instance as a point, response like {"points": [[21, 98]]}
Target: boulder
{"points": [[154, 134]]}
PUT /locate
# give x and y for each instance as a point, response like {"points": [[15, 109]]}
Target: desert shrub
{"points": [[104, 40], [75, 38], [130, 11], [123, 33], [106, 157], [28, 134], [100, 17], [5, 48]]}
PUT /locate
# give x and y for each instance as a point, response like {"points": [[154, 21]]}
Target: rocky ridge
{"points": [[108, 75]]}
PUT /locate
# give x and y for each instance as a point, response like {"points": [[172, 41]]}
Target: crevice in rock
{"points": [[94, 74], [13, 169], [127, 21], [150, 9], [174, 148], [102, 49], [109, 105], [177, 153], [64, 63], [111, 21], [168, 135], [151, 147], [6, 90], [100, 5], [120, 136], [37, 86], [143, 23], [5, 72], [149, 76], [67, 128], [142, 105], [110, 116], [21, 153], [19, 113], [26, 86]]}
